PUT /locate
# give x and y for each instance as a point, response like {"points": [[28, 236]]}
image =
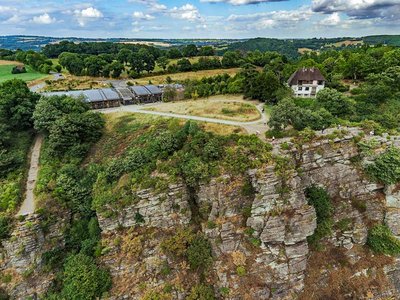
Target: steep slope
{"points": [[187, 214]]}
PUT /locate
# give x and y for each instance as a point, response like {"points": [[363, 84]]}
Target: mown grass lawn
{"points": [[5, 74]]}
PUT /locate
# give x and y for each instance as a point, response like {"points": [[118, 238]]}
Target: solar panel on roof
{"points": [[140, 90]]}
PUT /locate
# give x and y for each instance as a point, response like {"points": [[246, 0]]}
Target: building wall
{"points": [[307, 90]]}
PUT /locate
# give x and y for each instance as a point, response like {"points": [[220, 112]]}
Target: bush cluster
{"points": [[382, 241], [319, 198], [386, 167]]}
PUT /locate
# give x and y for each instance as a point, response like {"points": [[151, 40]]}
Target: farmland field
{"points": [[5, 73]]}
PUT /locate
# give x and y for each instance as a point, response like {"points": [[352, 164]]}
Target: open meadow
{"points": [[224, 107], [7, 66]]}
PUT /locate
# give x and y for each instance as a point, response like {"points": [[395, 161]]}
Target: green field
{"points": [[5, 74]]}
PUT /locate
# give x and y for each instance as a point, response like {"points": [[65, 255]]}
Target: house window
{"points": [[307, 88], [300, 88]]}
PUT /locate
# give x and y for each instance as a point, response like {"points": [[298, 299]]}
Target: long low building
{"points": [[110, 97]]}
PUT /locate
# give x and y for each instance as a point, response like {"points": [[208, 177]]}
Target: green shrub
{"points": [[178, 243], [225, 291], [344, 224], [319, 198], [211, 225], [382, 241], [5, 226], [83, 279], [386, 167], [165, 269], [201, 292], [241, 271], [199, 253]]}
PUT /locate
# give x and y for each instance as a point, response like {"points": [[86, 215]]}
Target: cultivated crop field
{"points": [[6, 68]]}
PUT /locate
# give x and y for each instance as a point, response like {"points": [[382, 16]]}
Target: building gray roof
{"points": [[140, 90], [111, 94], [89, 95], [153, 89], [305, 74]]}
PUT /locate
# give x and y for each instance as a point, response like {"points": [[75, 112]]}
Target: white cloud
{"points": [[15, 19], [280, 18], [154, 5], [241, 2], [44, 19], [187, 12], [90, 12], [87, 14], [387, 10], [139, 15], [332, 20], [6, 9]]}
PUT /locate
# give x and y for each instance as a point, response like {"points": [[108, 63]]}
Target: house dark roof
{"points": [[306, 74]]}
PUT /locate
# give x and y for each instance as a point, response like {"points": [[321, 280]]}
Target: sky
{"points": [[199, 18]]}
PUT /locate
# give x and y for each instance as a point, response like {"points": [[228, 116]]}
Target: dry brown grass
{"points": [[160, 79], [305, 50], [223, 107], [331, 276], [76, 83], [9, 62], [347, 43]]}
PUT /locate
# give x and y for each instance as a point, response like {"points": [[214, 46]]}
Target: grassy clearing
{"points": [[123, 127], [346, 43], [160, 79], [9, 62], [5, 73], [225, 107], [75, 83]]}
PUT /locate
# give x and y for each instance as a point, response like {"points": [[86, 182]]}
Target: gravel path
{"points": [[28, 206], [258, 127]]}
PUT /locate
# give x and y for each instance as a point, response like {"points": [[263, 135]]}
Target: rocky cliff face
{"points": [[257, 225], [21, 264], [265, 233]]}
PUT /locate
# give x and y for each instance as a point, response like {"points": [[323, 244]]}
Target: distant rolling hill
{"points": [[289, 47], [23, 42], [293, 47]]}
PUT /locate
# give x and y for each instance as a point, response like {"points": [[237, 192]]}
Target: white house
{"points": [[307, 82]]}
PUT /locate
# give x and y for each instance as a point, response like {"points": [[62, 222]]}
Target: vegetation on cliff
{"points": [[17, 104]]}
